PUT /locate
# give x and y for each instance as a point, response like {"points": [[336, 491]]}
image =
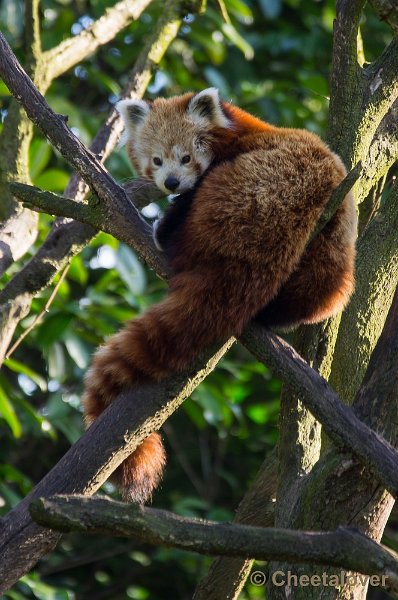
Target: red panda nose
{"points": [[172, 183]]}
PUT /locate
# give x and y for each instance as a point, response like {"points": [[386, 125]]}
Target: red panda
{"points": [[236, 236]]}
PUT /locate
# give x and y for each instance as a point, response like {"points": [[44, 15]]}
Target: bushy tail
{"points": [[199, 310]]}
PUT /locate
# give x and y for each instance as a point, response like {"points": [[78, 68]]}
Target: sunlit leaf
{"points": [[8, 414], [78, 350], [234, 36], [19, 367], [53, 180], [130, 269], [39, 157]]}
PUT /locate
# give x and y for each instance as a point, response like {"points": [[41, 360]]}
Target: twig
{"points": [[39, 317], [344, 547]]}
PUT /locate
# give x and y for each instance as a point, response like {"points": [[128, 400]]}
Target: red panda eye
{"points": [[157, 161], [186, 159]]}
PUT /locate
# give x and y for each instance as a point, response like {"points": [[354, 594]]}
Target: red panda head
{"points": [[169, 140]]}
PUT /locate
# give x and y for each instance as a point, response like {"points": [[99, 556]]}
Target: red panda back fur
{"points": [[242, 252]]}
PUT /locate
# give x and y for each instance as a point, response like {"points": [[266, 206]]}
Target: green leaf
{"points": [[53, 328], [56, 362], [234, 36], [19, 367], [130, 269], [8, 414], [54, 180], [42, 591], [258, 413], [77, 270], [78, 350], [39, 157], [240, 10]]}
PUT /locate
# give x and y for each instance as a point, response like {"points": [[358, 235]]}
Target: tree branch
{"points": [[344, 100], [364, 318], [379, 92], [97, 214], [339, 421], [341, 548], [382, 153]]}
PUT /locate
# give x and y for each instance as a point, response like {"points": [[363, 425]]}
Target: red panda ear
{"points": [[205, 109], [133, 112]]}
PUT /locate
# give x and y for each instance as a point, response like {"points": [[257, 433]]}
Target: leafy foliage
{"points": [[272, 58]]}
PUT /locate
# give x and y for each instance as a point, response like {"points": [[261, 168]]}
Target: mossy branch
{"points": [[344, 547]]}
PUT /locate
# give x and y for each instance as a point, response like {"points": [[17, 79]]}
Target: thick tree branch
{"points": [[377, 279], [18, 230], [341, 548], [382, 154], [346, 72], [379, 92]]}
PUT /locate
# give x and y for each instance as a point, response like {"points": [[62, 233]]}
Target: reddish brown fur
{"points": [[241, 253]]}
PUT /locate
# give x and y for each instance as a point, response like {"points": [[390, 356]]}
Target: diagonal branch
{"points": [[344, 547]]}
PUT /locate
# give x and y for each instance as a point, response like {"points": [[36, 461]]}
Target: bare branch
{"points": [[344, 547]]}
